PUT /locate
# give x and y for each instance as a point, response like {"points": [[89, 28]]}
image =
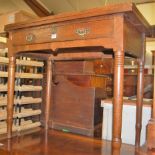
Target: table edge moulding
{"points": [[119, 27]]}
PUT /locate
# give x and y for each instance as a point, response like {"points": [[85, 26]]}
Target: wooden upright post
{"points": [[10, 98], [151, 123], [118, 98], [140, 91], [48, 93]]}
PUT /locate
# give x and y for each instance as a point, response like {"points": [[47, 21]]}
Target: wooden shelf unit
{"points": [[25, 106]]}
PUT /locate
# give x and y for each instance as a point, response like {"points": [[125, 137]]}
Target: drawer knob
{"points": [[30, 37], [82, 31]]}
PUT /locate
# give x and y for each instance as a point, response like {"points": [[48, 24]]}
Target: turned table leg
{"points": [[139, 104], [10, 98], [151, 123], [118, 98], [48, 93]]}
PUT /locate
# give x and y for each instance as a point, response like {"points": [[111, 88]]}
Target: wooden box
{"points": [[77, 97], [130, 85]]}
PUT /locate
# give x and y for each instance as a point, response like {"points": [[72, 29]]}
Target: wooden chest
{"points": [[77, 97]]}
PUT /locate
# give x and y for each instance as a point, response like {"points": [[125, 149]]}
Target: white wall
{"points": [[148, 12], [149, 47]]}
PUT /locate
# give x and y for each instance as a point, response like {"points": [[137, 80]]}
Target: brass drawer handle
{"points": [[30, 37], [109, 79], [108, 89], [82, 31]]}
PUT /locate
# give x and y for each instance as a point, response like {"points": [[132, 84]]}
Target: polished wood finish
{"points": [[126, 8], [77, 96], [140, 84], [61, 29], [104, 66], [140, 92], [118, 93], [58, 143], [11, 88], [81, 30], [130, 85], [151, 123], [48, 93]]}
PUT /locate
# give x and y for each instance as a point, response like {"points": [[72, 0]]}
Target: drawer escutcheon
{"points": [[30, 37], [82, 31]]}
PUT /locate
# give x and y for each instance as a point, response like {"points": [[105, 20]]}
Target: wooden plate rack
{"points": [[25, 106]]}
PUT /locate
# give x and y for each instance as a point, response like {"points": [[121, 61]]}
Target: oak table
{"points": [[83, 35]]}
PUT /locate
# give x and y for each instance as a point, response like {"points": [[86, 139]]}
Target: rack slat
{"points": [[3, 88], [25, 126], [22, 114], [3, 115], [29, 63], [28, 100], [23, 75], [4, 60], [23, 122], [29, 126], [28, 88], [4, 130], [22, 101], [4, 51], [28, 112]]}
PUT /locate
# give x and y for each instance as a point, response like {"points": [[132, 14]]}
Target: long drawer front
{"points": [[64, 32]]}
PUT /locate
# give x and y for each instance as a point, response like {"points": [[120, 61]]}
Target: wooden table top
{"points": [[129, 9], [108, 27]]}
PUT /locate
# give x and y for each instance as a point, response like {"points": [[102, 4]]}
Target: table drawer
{"points": [[64, 32]]}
